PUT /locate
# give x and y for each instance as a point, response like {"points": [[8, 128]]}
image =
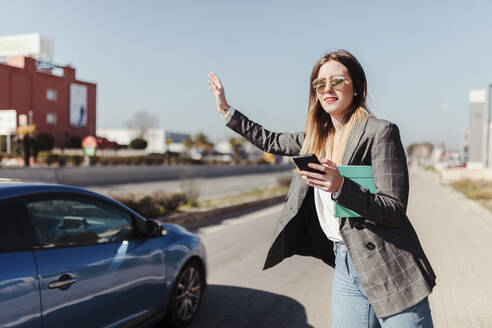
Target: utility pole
{"points": [[444, 106], [487, 129]]}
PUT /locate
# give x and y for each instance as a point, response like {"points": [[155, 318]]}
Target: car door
{"points": [[93, 270], [19, 289]]}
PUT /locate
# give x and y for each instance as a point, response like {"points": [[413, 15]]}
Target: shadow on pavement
{"points": [[229, 306]]}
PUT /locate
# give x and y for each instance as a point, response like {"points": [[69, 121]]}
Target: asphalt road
{"points": [[455, 234], [208, 187], [240, 294]]}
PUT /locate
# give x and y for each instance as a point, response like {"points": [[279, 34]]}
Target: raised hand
{"points": [[218, 91]]}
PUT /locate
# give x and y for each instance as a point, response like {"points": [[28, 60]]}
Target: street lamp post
{"points": [[487, 129]]}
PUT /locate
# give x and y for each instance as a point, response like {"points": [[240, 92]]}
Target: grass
{"points": [[431, 169], [478, 190], [159, 203], [474, 189], [235, 199]]}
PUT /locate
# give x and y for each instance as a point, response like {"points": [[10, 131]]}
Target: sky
{"points": [[421, 58]]}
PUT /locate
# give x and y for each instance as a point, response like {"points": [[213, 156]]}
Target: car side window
{"points": [[10, 231], [66, 221]]}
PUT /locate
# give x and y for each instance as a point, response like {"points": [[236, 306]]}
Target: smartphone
{"points": [[303, 161]]}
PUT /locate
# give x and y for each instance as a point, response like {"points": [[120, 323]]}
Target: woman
{"points": [[382, 276]]}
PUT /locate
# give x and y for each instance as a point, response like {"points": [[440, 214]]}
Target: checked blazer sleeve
{"points": [[390, 172], [278, 143]]}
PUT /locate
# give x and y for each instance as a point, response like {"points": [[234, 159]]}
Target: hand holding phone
{"points": [[303, 161]]}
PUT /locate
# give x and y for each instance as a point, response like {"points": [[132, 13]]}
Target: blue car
{"points": [[72, 258]]}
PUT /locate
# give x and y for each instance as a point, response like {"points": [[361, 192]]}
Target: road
{"points": [[455, 234], [208, 187]]}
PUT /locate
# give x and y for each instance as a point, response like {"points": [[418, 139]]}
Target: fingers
{"points": [[211, 81], [313, 175], [323, 168], [328, 175], [214, 79], [212, 84], [318, 185], [324, 184], [328, 162]]}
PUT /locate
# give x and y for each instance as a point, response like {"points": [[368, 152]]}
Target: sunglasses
{"points": [[336, 83]]}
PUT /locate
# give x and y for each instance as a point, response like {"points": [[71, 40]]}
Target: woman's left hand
{"points": [[330, 181]]}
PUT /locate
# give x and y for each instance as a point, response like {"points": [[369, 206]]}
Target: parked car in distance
{"points": [[70, 257]]}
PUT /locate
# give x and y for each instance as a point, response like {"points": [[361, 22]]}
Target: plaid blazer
{"points": [[383, 246]]}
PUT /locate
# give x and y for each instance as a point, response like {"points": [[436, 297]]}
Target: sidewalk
{"points": [[456, 234]]}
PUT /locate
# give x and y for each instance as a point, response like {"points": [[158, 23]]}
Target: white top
{"points": [[325, 208]]}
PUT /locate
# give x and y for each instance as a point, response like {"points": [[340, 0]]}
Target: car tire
{"points": [[186, 296]]}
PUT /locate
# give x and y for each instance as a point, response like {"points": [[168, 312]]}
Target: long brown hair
{"points": [[319, 130]]}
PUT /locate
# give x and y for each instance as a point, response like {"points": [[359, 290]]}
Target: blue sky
{"points": [[421, 58]]}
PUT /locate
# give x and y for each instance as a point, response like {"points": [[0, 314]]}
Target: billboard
{"points": [[78, 105], [8, 121], [33, 45]]}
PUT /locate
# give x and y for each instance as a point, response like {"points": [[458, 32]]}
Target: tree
{"points": [[201, 141], [188, 143], [74, 142], [419, 151], [236, 145], [143, 121], [42, 142], [138, 143]]}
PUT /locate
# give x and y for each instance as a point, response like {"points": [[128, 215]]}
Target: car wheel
{"points": [[186, 296]]}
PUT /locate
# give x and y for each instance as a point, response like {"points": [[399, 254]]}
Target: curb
{"points": [[201, 218], [124, 174]]}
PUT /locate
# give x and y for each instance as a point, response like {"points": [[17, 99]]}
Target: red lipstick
{"points": [[330, 100]]}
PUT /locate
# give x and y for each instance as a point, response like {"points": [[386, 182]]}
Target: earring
{"points": [[355, 94]]}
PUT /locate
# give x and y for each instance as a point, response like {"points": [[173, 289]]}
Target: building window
{"points": [[51, 95], [51, 118]]}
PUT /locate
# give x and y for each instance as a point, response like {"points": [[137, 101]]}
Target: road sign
{"points": [[8, 121], [89, 144], [89, 141]]}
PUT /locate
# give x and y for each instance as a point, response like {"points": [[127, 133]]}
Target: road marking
{"points": [[238, 220]]}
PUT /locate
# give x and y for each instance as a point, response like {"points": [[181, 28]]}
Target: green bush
{"points": [[42, 142], [104, 160], [138, 143], [110, 160], [62, 160], [47, 158], [93, 160], [74, 142], [149, 208], [76, 160], [148, 160], [170, 203], [155, 205], [134, 160], [129, 200]]}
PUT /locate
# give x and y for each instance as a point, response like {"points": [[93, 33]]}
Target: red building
{"points": [[59, 105]]}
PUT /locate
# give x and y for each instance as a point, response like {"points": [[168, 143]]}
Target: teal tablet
{"points": [[362, 174]]}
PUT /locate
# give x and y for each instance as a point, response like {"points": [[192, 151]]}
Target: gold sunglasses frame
{"points": [[319, 85]]}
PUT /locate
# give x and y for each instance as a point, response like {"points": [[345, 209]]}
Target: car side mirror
{"points": [[155, 229]]}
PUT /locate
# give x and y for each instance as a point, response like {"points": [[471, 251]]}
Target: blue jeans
{"points": [[351, 308]]}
